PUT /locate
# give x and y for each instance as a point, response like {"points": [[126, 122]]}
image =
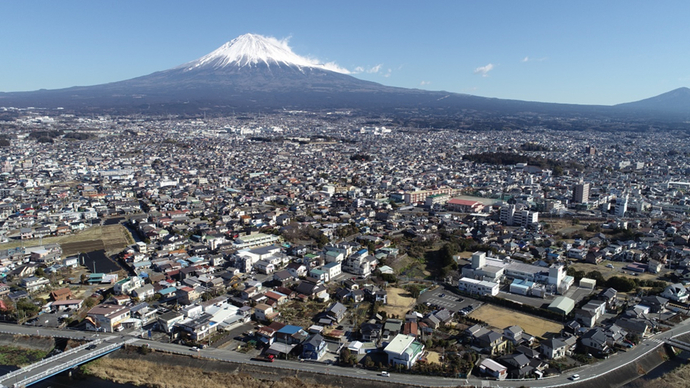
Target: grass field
{"points": [[501, 318], [617, 270], [399, 302], [109, 238]]}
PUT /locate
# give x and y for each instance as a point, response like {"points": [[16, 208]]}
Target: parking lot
{"points": [[442, 298]]}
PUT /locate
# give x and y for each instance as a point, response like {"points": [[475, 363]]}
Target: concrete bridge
{"points": [[51, 366], [678, 344]]}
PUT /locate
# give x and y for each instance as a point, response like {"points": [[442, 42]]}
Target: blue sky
{"points": [[585, 52]]}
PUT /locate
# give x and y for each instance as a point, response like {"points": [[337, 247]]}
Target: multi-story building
{"points": [[581, 193]]}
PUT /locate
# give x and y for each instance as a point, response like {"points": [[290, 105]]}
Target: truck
{"points": [[267, 358]]}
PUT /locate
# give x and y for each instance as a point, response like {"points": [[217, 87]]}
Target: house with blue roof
{"points": [[291, 335], [168, 292]]}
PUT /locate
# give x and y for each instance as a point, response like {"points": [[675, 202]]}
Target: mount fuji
{"points": [[257, 73]]}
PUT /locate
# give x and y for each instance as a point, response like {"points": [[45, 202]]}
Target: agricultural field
{"points": [[108, 238], [501, 318], [399, 302]]}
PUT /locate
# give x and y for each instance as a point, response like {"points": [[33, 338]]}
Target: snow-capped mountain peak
{"points": [[252, 49]]}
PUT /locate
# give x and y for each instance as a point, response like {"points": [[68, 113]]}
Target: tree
{"points": [[596, 275], [621, 284]]}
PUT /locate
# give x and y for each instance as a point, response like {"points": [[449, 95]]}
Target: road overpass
{"points": [[58, 363]]}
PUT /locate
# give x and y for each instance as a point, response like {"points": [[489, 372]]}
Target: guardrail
{"points": [[44, 361], [64, 366]]}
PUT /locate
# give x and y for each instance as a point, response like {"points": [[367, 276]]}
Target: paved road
{"points": [[58, 363], [586, 373]]}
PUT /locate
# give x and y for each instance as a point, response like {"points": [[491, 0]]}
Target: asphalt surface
{"points": [[60, 362], [586, 373]]}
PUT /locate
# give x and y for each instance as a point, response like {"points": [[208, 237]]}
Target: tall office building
{"points": [[581, 193]]}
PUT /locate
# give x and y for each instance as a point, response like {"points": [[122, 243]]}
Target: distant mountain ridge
{"points": [[675, 101], [256, 73]]}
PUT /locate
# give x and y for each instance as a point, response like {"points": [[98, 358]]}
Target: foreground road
{"points": [[586, 373]]}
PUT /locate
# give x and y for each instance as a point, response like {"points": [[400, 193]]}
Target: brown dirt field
{"points": [[433, 357], [501, 318], [109, 237], [399, 302]]}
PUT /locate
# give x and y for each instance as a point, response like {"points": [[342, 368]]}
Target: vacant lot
{"points": [[399, 302], [501, 318], [617, 270], [109, 238], [433, 357]]}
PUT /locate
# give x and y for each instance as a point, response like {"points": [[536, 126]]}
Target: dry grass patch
{"points": [[150, 374], [501, 318], [399, 302], [433, 357], [109, 237]]}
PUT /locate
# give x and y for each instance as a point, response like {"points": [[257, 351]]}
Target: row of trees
{"points": [[509, 158]]}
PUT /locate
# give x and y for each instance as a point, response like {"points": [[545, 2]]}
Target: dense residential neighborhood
{"points": [[342, 240]]}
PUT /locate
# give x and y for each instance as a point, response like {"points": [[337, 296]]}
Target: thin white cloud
{"points": [[424, 83], [371, 70], [332, 66], [375, 69], [484, 70], [528, 59], [388, 73]]}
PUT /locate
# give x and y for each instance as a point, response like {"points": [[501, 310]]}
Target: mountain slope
{"points": [[256, 73], [676, 102]]}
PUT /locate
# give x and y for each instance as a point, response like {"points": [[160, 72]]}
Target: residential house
{"points": [[144, 292], [370, 331], [494, 369], [198, 328], [297, 270], [314, 348], [553, 348], [61, 294], [676, 292], [518, 365], [264, 312], [187, 295], [596, 340], [67, 304], [404, 350], [107, 317], [336, 312], [33, 283], [492, 342], [291, 335]]}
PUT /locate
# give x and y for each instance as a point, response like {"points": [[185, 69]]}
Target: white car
{"points": [[575, 377], [385, 374]]}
